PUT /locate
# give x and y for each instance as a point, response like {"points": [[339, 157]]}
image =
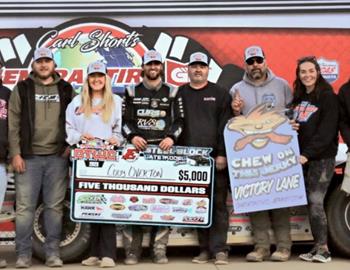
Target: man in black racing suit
{"points": [[152, 114]]}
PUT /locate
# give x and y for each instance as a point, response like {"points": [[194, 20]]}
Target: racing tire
{"points": [[75, 239], [338, 215]]}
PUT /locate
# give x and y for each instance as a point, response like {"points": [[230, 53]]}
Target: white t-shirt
{"points": [[78, 124]]}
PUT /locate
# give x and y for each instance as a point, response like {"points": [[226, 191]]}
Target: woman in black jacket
{"points": [[316, 109]]}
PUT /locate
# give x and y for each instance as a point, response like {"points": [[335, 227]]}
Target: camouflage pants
{"points": [[318, 175]]}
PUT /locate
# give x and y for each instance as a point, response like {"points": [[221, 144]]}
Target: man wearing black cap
{"points": [[153, 114], [37, 147], [207, 110]]}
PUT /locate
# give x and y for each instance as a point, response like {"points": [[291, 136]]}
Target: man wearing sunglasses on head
{"points": [[261, 86]]}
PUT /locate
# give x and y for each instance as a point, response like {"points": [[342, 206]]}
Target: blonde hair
{"points": [[106, 105]]}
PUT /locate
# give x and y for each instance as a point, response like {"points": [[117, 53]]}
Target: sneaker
{"points": [[203, 257], [131, 259], [280, 255], [160, 258], [3, 263], [91, 261], [308, 256], [258, 255], [23, 262], [322, 256], [53, 261], [221, 258], [107, 262]]}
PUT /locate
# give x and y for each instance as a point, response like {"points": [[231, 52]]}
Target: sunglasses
{"points": [[252, 60]]}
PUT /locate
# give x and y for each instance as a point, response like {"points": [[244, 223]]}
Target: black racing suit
{"points": [[152, 114]]}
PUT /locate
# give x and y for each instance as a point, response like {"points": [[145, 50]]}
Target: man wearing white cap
{"points": [[261, 86], [38, 152], [207, 109], [153, 114]]}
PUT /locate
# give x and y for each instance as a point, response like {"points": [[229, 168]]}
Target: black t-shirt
{"points": [[207, 111]]}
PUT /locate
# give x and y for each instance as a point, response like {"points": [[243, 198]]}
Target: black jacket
{"points": [[207, 111], [4, 98], [152, 114], [344, 109], [26, 90], [318, 118]]}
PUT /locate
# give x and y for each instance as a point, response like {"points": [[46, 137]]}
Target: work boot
{"points": [[258, 255], [160, 257], [221, 258], [203, 257], [23, 262], [131, 259], [53, 261], [3, 263], [280, 255]]}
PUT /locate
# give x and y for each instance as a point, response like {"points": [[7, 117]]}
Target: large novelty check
{"points": [[152, 187]]}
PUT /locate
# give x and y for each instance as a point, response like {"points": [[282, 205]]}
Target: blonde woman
{"points": [[96, 113]]}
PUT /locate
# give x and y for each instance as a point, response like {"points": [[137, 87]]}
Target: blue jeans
{"points": [[3, 183], [49, 174]]}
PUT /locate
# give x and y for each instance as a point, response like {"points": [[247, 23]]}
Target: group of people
{"points": [[45, 118]]}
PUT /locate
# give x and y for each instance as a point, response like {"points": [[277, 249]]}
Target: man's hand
{"points": [[220, 163], [295, 125], [166, 144], [303, 159], [139, 143], [237, 103], [18, 164]]}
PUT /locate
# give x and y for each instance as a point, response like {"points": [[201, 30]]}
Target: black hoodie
{"points": [[318, 118]]}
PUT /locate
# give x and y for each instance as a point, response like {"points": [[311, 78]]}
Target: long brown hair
{"points": [[300, 89]]}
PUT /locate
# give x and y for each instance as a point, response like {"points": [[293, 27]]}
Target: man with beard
{"points": [[39, 154], [152, 114], [261, 86], [207, 110]]}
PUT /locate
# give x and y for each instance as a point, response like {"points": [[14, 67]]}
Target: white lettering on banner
{"points": [[130, 187], [282, 166], [89, 185], [288, 182], [181, 189], [254, 189], [248, 162], [98, 39]]}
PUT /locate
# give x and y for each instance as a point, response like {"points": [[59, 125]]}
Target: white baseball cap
{"points": [[42, 53], [253, 51], [198, 57], [151, 56], [97, 67]]}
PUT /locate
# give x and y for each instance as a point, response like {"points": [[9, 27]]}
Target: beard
{"points": [[44, 75], [257, 74], [152, 76]]}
